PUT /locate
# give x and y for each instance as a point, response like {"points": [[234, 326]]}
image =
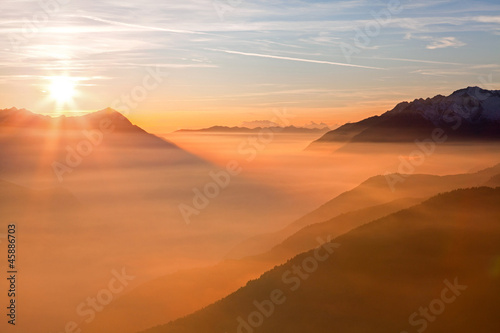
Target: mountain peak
{"points": [[467, 114], [473, 104], [474, 91], [108, 111], [15, 117], [116, 117], [14, 110]]}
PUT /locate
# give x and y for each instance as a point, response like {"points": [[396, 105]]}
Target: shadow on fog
{"points": [[119, 208]]}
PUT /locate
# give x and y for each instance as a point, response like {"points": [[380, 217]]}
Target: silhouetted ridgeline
{"points": [[469, 114], [379, 277]]}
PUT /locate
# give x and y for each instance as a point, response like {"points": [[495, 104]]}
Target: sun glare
{"points": [[62, 89]]}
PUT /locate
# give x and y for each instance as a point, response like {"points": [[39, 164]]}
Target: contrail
{"points": [[145, 27], [296, 59], [415, 60]]}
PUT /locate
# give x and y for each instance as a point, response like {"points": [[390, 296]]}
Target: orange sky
{"points": [[170, 65]]}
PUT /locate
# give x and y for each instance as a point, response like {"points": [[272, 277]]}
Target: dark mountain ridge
{"points": [[378, 276], [470, 114]]}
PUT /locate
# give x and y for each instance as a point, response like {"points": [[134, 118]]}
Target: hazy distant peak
{"points": [[277, 129], [109, 111], [271, 124], [24, 118], [15, 110], [259, 123], [111, 114], [315, 125]]}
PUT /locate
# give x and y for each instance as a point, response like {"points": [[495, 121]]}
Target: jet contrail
{"points": [[295, 59], [145, 27], [415, 60]]}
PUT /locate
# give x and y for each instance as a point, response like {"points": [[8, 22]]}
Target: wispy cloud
{"points": [[119, 39], [438, 42], [487, 19], [445, 42]]}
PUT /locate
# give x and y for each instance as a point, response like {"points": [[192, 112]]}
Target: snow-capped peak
{"points": [[473, 104]]}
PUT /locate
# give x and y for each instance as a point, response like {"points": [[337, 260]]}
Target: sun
{"points": [[62, 89]]}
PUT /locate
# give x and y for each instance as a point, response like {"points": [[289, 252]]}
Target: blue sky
{"points": [[229, 61]]}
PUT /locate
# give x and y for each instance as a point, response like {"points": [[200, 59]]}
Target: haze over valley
{"points": [[249, 166]]}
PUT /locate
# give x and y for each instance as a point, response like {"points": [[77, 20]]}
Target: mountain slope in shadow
{"points": [[130, 185], [374, 191], [45, 206], [168, 294], [380, 277], [95, 154], [54, 148]]}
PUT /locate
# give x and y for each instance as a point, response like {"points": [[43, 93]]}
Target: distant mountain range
{"points": [[269, 123], [469, 114], [275, 129]]}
